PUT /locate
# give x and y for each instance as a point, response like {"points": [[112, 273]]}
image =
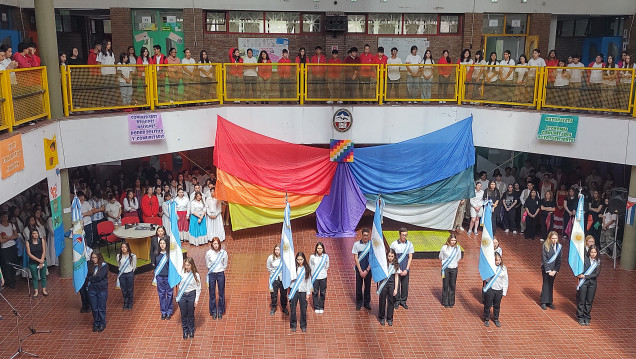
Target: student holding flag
{"points": [[160, 262], [319, 263], [496, 288], [188, 296], [450, 254], [216, 261], [404, 249], [98, 290], [360, 253], [300, 292], [126, 276], [586, 288], [387, 289], [275, 267], [551, 256]]}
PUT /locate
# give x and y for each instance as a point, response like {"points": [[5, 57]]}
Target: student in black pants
{"points": [[300, 291], [450, 254], [388, 290], [492, 193], [9, 251], [275, 282], [188, 296], [551, 256], [586, 289], [360, 253], [531, 210], [98, 290], [126, 276], [493, 292]]}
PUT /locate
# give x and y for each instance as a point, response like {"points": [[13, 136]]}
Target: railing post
{"points": [[219, 83], [379, 89], [64, 72], [8, 103], [302, 83], [460, 83], [540, 86], [45, 87], [150, 85]]}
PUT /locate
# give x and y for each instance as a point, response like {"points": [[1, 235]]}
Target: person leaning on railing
{"points": [[506, 75], [478, 76], [264, 74], [521, 83], [333, 77], [207, 75], [625, 80], [610, 81]]}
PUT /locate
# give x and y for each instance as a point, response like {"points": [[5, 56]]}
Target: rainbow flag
{"points": [[341, 151]]}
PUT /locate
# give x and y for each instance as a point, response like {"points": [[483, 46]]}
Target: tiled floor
{"points": [[426, 329]]}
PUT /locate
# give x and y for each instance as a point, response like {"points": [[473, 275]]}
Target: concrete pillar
{"points": [[553, 33], [628, 254], [47, 44], [66, 258]]}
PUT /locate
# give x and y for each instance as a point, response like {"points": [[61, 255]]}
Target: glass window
{"points": [[493, 24], [356, 23], [246, 21], [145, 20], [516, 23], [215, 21], [449, 24], [385, 24], [566, 28], [312, 22], [282, 22], [580, 27], [420, 24]]}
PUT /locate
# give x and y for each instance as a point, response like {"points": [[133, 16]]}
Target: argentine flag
{"points": [[377, 255], [175, 264], [80, 268], [487, 251], [577, 240], [287, 254]]}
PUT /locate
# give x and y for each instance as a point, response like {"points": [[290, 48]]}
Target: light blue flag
{"points": [[487, 250], [287, 254], [80, 268], [577, 239], [175, 264], [377, 255]]}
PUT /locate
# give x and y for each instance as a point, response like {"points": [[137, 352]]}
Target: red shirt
{"points": [[351, 71], [158, 59], [333, 72], [92, 60], [23, 61], [366, 58], [380, 60], [285, 70], [444, 70], [318, 71], [265, 72], [551, 73], [149, 206], [35, 60]]}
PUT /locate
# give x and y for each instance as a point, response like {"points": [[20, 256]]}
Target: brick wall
{"points": [[472, 39], [121, 20], [540, 26], [193, 30]]}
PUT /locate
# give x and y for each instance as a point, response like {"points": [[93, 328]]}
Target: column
{"points": [[66, 258], [628, 254], [47, 45]]}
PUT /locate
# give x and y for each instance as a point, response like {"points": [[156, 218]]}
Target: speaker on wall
{"points": [[336, 23]]}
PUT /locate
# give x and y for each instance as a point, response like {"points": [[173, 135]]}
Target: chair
{"points": [[129, 220], [155, 220], [105, 231]]}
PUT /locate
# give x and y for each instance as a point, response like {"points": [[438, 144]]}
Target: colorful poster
{"points": [[50, 153], [145, 127], [55, 188], [11, 156]]}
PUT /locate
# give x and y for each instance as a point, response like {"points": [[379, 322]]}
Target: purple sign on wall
{"points": [[145, 127]]}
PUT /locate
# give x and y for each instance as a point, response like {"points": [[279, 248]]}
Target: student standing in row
{"points": [[317, 74], [127, 262], [413, 78], [450, 254], [189, 291], [216, 260], [393, 74], [300, 292], [98, 290], [586, 288], [160, 262], [427, 74], [388, 290], [285, 85], [206, 77], [551, 255], [444, 75], [264, 74], [496, 288], [319, 263], [404, 250], [36, 250], [250, 76], [333, 76], [274, 267], [351, 73], [360, 253], [189, 79], [506, 75]]}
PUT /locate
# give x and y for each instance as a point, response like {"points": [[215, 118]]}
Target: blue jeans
{"points": [[217, 278], [165, 295], [98, 302]]}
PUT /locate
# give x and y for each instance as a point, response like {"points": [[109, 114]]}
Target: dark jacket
{"points": [[546, 255], [591, 278], [154, 247], [98, 282]]}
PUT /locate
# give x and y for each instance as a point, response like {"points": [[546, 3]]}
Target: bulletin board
{"points": [[403, 45]]}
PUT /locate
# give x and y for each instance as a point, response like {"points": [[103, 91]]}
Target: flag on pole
{"points": [[287, 254], [631, 211], [175, 264], [377, 257], [80, 268], [577, 239], [487, 251]]}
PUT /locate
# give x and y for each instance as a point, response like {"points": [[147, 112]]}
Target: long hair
{"points": [[193, 267], [159, 246], [479, 55], [305, 264], [207, 58], [548, 242], [277, 245], [260, 56], [463, 58], [490, 60], [123, 56], [448, 240], [316, 248], [107, 52], [448, 59], [120, 255], [499, 255], [133, 52], [395, 258], [142, 52], [100, 261]]}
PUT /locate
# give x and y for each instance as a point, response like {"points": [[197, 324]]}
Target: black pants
{"points": [[548, 287], [403, 289], [360, 298], [127, 285], [387, 300], [495, 215], [302, 298], [492, 298], [278, 287], [365, 87], [86, 303], [186, 307], [250, 87], [543, 216], [531, 227], [448, 286], [510, 219], [9, 256], [320, 288], [584, 299], [88, 235]]}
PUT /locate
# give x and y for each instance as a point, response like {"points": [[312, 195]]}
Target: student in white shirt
{"points": [[478, 75], [536, 61], [275, 282], [608, 229], [206, 75], [609, 84], [393, 74], [476, 208], [216, 261], [109, 81], [131, 205], [506, 76], [303, 273], [404, 250], [213, 217], [450, 254], [250, 76], [190, 80], [413, 77], [427, 74], [113, 209], [491, 78], [495, 291], [127, 263], [561, 85], [576, 78], [87, 211], [466, 61], [125, 76], [189, 291], [165, 211], [320, 281], [183, 213], [521, 82], [594, 81]]}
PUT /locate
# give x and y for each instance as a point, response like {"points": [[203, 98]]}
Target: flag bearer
{"points": [[586, 289], [496, 287], [404, 249], [300, 291], [275, 267]]}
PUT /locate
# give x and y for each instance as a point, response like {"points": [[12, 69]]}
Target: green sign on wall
{"points": [[558, 128]]}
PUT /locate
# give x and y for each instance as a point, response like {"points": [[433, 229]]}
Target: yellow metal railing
{"points": [[24, 96], [501, 84], [262, 82], [342, 82], [179, 84], [421, 83]]}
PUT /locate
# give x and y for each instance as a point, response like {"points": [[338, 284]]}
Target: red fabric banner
{"points": [[271, 163]]}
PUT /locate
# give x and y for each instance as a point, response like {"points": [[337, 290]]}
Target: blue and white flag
{"points": [[80, 267], [377, 256], [577, 239], [630, 212], [487, 265], [287, 254], [175, 264]]}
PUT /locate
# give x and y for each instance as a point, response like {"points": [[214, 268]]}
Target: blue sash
{"points": [[493, 279], [406, 251], [323, 260], [391, 272], [274, 276], [300, 278], [121, 271], [185, 285], [587, 272], [162, 263], [215, 264], [365, 251], [449, 260], [555, 255]]}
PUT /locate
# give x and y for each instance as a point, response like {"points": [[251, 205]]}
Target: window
{"points": [[493, 24], [215, 21], [246, 21], [449, 24], [580, 27], [516, 23], [312, 22], [385, 24], [356, 23], [420, 24], [282, 22]]}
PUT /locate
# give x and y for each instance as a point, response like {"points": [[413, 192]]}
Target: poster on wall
{"points": [[403, 45], [145, 127], [558, 128], [11, 156], [273, 46], [50, 153]]}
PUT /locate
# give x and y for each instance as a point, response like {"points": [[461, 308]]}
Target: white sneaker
{"points": [[329, 102], [410, 102], [340, 102], [462, 229], [507, 230], [514, 232], [321, 311], [476, 232], [541, 240], [316, 311]]}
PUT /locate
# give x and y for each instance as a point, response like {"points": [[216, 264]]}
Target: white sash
{"points": [[406, 251], [121, 271], [215, 264], [365, 251], [391, 272], [274, 276], [185, 285], [555, 255], [162, 263], [493, 279], [449, 260], [300, 278], [323, 260], [587, 272]]}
